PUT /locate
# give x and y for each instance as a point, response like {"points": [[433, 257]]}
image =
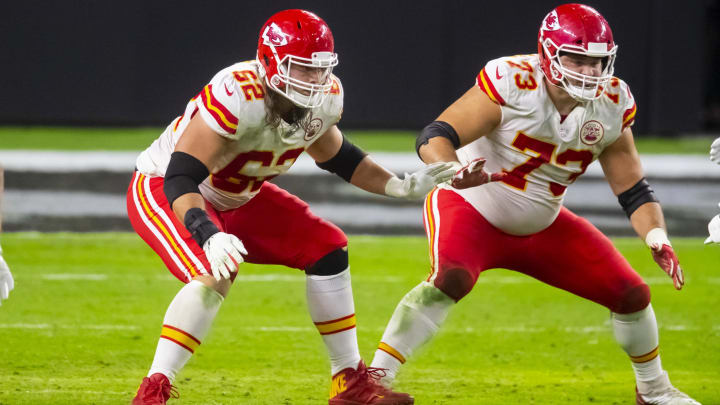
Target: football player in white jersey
{"points": [[528, 128], [200, 199], [714, 225], [6, 279]]}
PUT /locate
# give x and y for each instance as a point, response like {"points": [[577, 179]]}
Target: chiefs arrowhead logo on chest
{"points": [[591, 132]]}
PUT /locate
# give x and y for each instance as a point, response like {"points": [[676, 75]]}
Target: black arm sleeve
{"points": [[183, 175], [637, 195], [434, 129], [345, 161]]}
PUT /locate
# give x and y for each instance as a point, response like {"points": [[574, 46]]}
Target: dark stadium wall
{"points": [[401, 62]]}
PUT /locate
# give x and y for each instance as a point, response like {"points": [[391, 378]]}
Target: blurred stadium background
{"points": [[120, 66], [89, 84]]}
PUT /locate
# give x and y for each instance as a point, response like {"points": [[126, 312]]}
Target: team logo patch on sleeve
{"points": [[591, 132], [313, 128]]}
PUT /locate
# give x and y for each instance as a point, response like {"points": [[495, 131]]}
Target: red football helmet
{"points": [[580, 29], [294, 38]]}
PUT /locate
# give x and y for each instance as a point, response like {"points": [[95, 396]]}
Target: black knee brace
{"points": [[332, 263]]}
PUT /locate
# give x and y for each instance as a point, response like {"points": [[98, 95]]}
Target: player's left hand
{"points": [[6, 279], [714, 230], [665, 256], [715, 151], [474, 174], [415, 186]]}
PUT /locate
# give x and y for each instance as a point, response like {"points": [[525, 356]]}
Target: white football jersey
{"points": [[233, 105], [541, 152]]}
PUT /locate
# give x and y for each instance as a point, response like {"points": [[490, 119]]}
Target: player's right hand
{"points": [[224, 253], [715, 151], [474, 174], [714, 229], [6, 279], [665, 256]]}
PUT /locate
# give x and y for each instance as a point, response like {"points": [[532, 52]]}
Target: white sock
{"points": [[332, 309], [637, 334], [416, 319], [187, 322]]}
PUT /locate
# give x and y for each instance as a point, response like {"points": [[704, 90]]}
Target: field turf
{"points": [[136, 139], [83, 321]]}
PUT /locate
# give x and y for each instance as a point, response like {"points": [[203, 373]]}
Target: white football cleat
{"points": [[661, 392]]}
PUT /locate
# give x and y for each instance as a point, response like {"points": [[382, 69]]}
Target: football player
{"points": [[528, 129], [714, 224], [200, 198], [6, 279]]}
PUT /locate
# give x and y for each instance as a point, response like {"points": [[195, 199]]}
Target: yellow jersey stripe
{"points": [[488, 91], [217, 110]]}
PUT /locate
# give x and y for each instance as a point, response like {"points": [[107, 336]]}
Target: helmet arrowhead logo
{"points": [[551, 22], [274, 36]]}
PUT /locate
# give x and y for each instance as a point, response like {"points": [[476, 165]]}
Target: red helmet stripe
{"points": [[486, 85]]}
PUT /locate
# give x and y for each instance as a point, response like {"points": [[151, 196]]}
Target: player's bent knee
{"points": [[332, 263], [634, 299], [455, 283], [222, 286]]}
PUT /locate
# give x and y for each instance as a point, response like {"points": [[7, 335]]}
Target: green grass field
{"points": [[114, 139], [83, 321]]}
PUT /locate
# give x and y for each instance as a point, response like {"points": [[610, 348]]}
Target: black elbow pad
{"points": [[345, 161], [637, 195], [435, 129], [183, 175]]}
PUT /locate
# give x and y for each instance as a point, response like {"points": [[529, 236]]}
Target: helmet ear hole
{"points": [[298, 24], [265, 58]]}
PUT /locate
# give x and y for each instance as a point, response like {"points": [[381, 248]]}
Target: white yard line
{"points": [[285, 329], [296, 278], [74, 391], [66, 326]]}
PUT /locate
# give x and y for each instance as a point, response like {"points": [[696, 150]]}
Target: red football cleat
{"points": [[155, 390], [361, 387]]}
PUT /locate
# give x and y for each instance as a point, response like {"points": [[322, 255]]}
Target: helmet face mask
{"points": [[292, 83], [576, 29], [295, 47]]}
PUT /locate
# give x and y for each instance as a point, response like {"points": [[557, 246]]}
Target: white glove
{"points": [[6, 279], [415, 186], [715, 151], [714, 229], [224, 253]]}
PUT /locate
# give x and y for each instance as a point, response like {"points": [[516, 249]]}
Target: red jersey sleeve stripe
{"points": [[222, 116], [486, 85], [629, 116]]}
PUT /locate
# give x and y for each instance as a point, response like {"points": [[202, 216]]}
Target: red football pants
{"points": [[275, 226], [570, 254]]}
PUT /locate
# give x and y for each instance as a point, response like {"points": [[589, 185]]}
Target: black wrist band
{"points": [[200, 226]]}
